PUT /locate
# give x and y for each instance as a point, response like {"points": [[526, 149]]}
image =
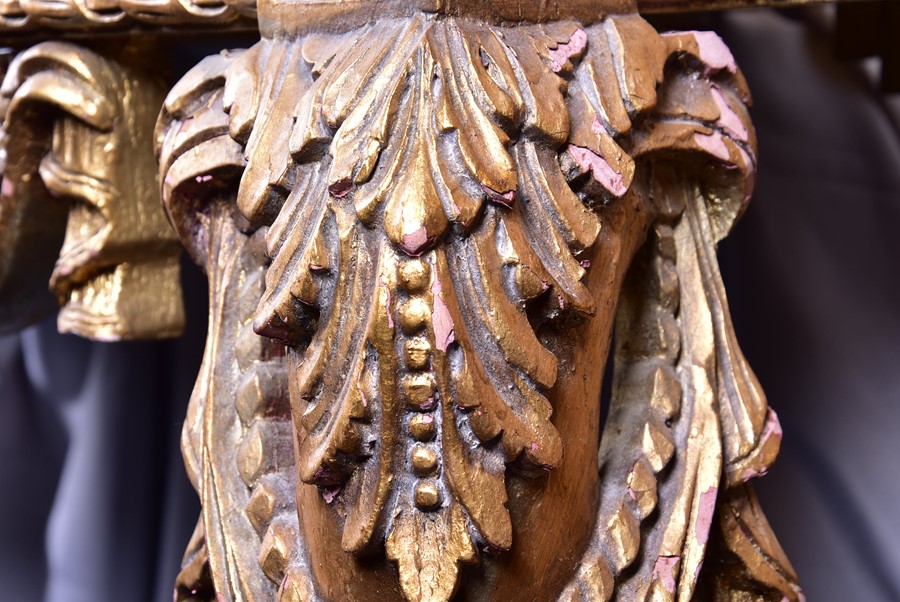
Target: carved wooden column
{"points": [[436, 214]]}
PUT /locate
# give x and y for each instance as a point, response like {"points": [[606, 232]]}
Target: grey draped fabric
{"points": [[95, 506], [813, 277]]}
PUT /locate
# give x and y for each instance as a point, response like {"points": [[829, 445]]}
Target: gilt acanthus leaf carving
{"points": [[413, 245], [428, 190]]}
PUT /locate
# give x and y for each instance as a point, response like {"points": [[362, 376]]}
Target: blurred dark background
{"points": [[95, 505], [813, 277]]}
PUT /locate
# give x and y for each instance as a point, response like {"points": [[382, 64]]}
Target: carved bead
{"points": [[642, 489], [263, 391], [427, 496], [419, 391], [414, 275], [276, 547], [597, 581], [421, 427], [664, 284], [247, 346], [625, 537], [657, 335], [658, 446], [424, 460], [666, 395], [273, 493], [266, 446], [296, 586], [413, 315], [417, 353], [665, 241]]}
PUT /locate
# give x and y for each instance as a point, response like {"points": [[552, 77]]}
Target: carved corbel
{"points": [[434, 220], [78, 196]]}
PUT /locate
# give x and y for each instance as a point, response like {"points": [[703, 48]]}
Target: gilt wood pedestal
{"points": [[427, 225]]}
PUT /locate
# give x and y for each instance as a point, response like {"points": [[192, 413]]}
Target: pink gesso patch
{"points": [[665, 569], [341, 188], [714, 144], [713, 52], [602, 171], [728, 119], [773, 426], [441, 319], [562, 53], [7, 187], [415, 241], [330, 493], [504, 198], [751, 473], [706, 506]]}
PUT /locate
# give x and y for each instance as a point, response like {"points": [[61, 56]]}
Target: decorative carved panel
{"points": [[440, 217], [425, 225]]}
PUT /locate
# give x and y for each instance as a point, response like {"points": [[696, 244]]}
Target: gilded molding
{"points": [[30, 17], [25, 18], [431, 220]]}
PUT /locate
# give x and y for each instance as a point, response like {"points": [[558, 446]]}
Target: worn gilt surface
{"points": [[79, 205], [422, 222], [435, 219]]}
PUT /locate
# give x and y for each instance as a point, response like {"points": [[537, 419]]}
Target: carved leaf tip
{"points": [[428, 549]]}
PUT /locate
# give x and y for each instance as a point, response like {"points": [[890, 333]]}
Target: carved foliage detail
{"points": [[682, 388], [403, 262], [425, 188]]}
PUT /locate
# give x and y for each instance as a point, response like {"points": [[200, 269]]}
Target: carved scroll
{"points": [[78, 172], [437, 207]]}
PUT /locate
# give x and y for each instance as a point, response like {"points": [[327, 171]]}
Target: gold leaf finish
{"points": [[434, 219], [76, 160]]}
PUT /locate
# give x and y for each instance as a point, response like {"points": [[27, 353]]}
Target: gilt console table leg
{"points": [[79, 204], [422, 222]]}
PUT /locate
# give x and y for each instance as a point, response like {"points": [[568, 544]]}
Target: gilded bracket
{"points": [[78, 183]]}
